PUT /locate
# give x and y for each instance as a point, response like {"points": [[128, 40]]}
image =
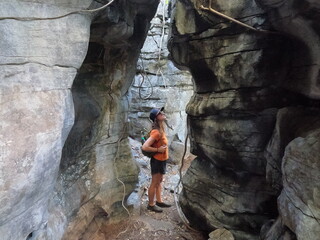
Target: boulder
{"points": [[298, 203], [221, 234]]}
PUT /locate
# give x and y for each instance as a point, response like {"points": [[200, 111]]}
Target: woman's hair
{"points": [[159, 126]]}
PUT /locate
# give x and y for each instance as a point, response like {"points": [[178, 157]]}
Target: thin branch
{"points": [[61, 16], [235, 20]]}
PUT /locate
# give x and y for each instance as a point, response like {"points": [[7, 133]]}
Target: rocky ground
{"points": [[143, 224]]}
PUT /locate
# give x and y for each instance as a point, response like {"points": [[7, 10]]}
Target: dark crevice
{"points": [[30, 236]]}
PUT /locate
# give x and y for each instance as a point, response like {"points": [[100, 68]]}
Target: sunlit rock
{"points": [[45, 194]]}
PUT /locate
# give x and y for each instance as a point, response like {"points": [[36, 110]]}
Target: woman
{"points": [[158, 143]]}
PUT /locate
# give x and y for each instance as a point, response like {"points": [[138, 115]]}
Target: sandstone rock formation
{"points": [[253, 119], [39, 60], [255, 101], [41, 54]]}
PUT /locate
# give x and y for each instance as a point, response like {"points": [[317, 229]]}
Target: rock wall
{"points": [[255, 101], [159, 83], [294, 145], [45, 194], [39, 60]]}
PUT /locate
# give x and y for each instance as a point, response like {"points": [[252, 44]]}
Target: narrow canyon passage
{"points": [[71, 78]]}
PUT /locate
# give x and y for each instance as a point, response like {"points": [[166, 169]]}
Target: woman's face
{"points": [[161, 116]]}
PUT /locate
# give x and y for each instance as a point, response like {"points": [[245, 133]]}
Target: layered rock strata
{"points": [[241, 137], [39, 60], [97, 165], [293, 161], [45, 194]]}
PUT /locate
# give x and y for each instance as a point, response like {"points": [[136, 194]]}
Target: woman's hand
{"points": [[162, 149]]}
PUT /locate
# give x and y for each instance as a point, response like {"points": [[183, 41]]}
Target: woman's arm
{"points": [[147, 146]]}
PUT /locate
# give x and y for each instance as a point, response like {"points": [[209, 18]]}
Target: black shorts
{"points": [[158, 166]]}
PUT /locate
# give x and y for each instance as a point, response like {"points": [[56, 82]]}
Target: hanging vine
{"points": [[145, 82]]}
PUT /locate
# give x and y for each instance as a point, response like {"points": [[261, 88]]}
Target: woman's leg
{"points": [[154, 188], [159, 188]]}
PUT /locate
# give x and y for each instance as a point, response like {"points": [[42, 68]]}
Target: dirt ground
{"points": [[144, 224]]}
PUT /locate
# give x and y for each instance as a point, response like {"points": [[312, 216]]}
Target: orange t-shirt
{"points": [[161, 140]]}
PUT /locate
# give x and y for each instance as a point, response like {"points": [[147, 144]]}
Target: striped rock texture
{"points": [[254, 117]]}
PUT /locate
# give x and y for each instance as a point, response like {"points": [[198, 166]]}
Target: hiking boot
{"points": [[163, 205], [154, 208]]}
